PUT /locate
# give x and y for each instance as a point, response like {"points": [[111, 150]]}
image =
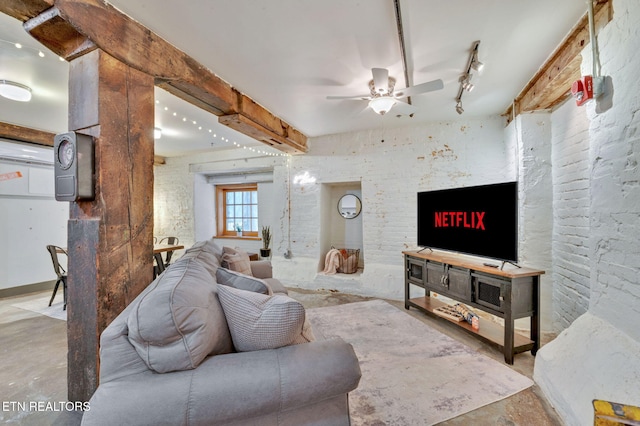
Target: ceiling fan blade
{"points": [[359, 97], [429, 86], [403, 108], [380, 80]]}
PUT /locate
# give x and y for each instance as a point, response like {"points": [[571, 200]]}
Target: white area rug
{"points": [[411, 373], [41, 306]]}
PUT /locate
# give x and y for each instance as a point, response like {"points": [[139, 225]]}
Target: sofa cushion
{"points": [[275, 285], [206, 252], [258, 321], [241, 281], [179, 321], [236, 260]]}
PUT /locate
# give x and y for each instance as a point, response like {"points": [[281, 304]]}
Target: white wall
{"points": [[388, 174], [530, 136], [571, 198], [184, 199], [391, 172], [30, 219], [597, 257]]}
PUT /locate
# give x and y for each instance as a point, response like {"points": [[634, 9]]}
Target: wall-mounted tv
{"points": [[477, 220]]}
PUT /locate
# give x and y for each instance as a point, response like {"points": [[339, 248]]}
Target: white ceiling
{"points": [[288, 55]]}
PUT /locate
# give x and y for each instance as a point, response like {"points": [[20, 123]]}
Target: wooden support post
{"points": [[111, 238]]}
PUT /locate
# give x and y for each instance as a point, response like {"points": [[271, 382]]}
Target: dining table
{"points": [[158, 249]]}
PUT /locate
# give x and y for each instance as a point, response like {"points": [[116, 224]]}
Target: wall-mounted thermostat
{"points": [[74, 167]]}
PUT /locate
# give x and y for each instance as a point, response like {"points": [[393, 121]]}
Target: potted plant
{"points": [[238, 230], [265, 251]]}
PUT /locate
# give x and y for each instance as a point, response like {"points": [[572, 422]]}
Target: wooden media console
{"points": [[509, 294]]}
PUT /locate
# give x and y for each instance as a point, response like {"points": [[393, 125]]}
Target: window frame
{"points": [[221, 209]]}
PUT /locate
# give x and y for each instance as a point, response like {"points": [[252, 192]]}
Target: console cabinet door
{"points": [[449, 280], [435, 274], [459, 283], [489, 291], [416, 271]]}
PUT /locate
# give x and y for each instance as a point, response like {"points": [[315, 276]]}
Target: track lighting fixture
{"points": [[465, 78], [475, 63], [465, 81]]}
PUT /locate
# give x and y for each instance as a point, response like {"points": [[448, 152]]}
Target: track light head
{"points": [[459, 109], [465, 82], [477, 65]]}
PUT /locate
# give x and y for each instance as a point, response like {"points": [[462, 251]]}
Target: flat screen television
{"points": [[476, 220]]}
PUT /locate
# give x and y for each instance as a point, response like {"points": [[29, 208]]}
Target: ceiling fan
{"points": [[383, 96]]}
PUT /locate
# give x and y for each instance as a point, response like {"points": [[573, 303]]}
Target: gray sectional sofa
{"points": [[173, 356]]}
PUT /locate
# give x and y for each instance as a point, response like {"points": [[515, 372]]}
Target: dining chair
{"points": [[170, 241], [60, 272]]}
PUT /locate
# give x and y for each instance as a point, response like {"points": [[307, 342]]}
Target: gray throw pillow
{"points": [[179, 321], [257, 321], [243, 282]]}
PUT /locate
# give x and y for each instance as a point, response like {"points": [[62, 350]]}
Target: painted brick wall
{"points": [[571, 263], [596, 357], [173, 201], [391, 172], [178, 211], [615, 175], [535, 210]]}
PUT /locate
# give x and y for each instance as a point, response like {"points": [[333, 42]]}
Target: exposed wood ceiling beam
{"points": [[25, 134], [40, 137], [551, 85], [71, 28]]}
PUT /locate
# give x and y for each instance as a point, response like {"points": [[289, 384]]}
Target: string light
{"points": [[18, 45], [41, 54], [222, 138]]}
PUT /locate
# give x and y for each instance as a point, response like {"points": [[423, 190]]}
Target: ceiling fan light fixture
{"points": [[381, 105], [15, 91]]}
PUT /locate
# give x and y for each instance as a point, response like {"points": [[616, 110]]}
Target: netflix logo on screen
{"points": [[473, 220], [478, 220]]}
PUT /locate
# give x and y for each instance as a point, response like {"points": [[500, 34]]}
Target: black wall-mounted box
{"points": [[74, 167]]}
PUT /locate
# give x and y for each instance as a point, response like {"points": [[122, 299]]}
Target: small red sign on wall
{"points": [[8, 176]]}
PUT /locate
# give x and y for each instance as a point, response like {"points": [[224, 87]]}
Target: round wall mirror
{"points": [[349, 206]]}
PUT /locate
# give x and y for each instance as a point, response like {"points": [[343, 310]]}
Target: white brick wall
{"points": [[434, 156], [597, 259], [535, 217], [389, 173], [571, 263], [615, 177]]}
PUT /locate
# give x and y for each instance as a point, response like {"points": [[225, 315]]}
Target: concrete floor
{"points": [[33, 349]]}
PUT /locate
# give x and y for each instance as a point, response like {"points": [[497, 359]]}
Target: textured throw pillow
{"points": [[258, 322], [178, 321], [241, 281], [236, 260]]}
